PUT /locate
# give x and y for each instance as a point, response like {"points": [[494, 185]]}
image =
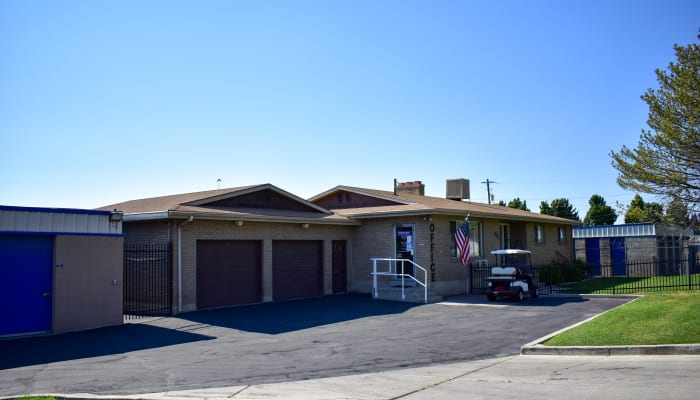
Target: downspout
{"points": [[179, 261]]}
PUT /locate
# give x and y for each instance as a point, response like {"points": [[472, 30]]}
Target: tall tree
{"points": [[666, 161], [677, 213], [519, 204], [641, 211], [599, 212], [545, 208], [559, 208]]}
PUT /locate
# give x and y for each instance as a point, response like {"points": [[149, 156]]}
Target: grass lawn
{"points": [[657, 318], [38, 398], [627, 285]]}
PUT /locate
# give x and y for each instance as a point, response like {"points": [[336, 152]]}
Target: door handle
{"points": [[46, 294]]}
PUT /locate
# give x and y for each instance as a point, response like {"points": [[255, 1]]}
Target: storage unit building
{"points": [[618, 245], [60, 270]]}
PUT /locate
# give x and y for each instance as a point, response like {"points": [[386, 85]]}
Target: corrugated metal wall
{"points": [[582, 232], [37, 220]]}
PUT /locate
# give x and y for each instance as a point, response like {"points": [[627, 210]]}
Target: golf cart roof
{"points": [[510, 251]]}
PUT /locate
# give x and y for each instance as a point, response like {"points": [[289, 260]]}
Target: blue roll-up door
{"points": [[593, 255], [25, 284], [617, 256]]}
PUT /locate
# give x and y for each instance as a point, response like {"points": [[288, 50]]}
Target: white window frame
{"points": [[475, 242], [504, 235], [539, 234]]}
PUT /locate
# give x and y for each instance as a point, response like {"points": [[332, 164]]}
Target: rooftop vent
{"points": [[458, 189]]}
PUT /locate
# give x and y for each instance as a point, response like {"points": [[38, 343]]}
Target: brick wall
{"points": [[224, 230], [374, 238], [551, 250], [147, 231]]}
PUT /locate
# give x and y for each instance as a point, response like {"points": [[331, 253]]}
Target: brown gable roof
{"points": [[168, 203], [407, 204], [212, 204]]}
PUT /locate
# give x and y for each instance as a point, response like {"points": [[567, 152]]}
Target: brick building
{"points": [[386, 218], [260, 243], [243, 245]]}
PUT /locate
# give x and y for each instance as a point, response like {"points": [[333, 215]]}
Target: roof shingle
{"points": [[416, 204]]}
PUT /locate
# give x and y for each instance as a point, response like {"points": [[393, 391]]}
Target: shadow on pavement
{"points": [[282, 317], [93, 343]]}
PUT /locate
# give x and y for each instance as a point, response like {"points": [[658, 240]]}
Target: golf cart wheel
{"points": [[520, 295], [535, 293]]}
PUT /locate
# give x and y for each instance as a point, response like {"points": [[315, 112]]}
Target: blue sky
{"points": [[108, 101]]}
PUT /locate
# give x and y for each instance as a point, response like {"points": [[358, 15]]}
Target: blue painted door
{"points": [[617, 256], [25, 284], [593, 255]]}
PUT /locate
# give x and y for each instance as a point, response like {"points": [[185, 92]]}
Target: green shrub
{"points": [[557, 274]]}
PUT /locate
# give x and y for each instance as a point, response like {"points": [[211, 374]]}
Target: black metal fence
{"points": [[148, 283], [631, 277], [477, 278]]}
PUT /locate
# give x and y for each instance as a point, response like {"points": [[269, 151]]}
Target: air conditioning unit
{"points": [[458, 189]]}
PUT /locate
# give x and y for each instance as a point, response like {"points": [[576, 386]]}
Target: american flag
{"points": [[462, 237]]}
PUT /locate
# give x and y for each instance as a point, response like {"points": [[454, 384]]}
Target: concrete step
{"points": [[412, 295], [409, 283]]}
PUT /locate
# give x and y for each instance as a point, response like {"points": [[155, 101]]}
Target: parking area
{"points": [[275, 342]]}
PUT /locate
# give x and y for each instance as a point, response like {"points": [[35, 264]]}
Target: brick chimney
{"points": [[415, 187]]}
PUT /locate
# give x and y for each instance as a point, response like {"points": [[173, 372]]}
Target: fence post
{"points": [[612, 274], [375, 291]]}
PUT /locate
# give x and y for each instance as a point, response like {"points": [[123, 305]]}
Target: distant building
{"points": [[620, 245]]}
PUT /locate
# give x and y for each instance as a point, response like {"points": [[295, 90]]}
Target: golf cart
{"points": [[512, 277]]}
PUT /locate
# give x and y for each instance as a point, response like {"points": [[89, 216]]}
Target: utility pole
{"points": [[488, 187]]}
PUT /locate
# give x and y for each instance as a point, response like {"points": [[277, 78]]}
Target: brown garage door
{"points": [[297, 269], [229, 272]]}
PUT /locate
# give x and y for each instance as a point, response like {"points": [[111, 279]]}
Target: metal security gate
{"points": [[477, 278], [148, 280]]}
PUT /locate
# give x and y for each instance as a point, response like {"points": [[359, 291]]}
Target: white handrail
{"points": [[392, 272]]}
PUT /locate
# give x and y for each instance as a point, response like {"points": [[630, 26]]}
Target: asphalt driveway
{"points": [[329, 336]]}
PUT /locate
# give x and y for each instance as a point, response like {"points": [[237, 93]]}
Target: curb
{"points": [[645, 350], [537, 348]]}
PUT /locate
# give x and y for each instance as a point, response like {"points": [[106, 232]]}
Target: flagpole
{"points": [[466, 283]]}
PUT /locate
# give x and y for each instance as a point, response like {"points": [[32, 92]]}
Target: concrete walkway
{"points": [[522, 377]]}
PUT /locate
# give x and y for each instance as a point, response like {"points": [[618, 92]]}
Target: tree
{"points": [[545, 208], [639, 211], [559, 208], [666, 161], [677, 213], [599, 212], [515, 203]]}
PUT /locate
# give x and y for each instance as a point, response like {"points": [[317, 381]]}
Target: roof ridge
{"points": [[204, 193]]}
